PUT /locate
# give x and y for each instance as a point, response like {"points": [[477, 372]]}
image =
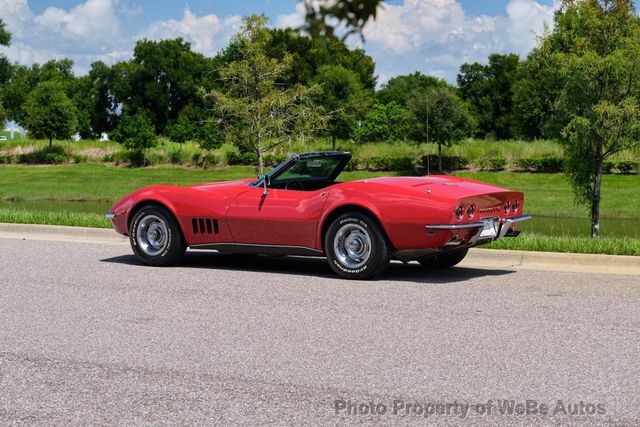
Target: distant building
{"points": [[13, 128]]}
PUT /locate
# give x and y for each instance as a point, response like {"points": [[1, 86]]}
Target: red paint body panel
{"points": [[402, 205]]}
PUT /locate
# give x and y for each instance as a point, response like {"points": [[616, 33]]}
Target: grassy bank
{"points": [[581, 245], [32, 216]]}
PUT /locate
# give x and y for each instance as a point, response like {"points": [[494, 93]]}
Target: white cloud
{"points": [[84, 33], [291, 20], [94, 30], [208, 34], [436, 36]]}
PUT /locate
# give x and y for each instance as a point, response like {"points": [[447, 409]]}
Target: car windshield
{"points": [[313, 168]]}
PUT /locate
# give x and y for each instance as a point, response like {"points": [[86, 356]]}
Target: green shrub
{"points": [[211, 159], [271, 160], [125, 157], [628, 167], [388, 163], [6, 159], [177, 157], [608, 166], [449, 163], [541, 164], [245, 159], [77, 158], [232, 158], [493, 163], [45, 156], [156, 158]]}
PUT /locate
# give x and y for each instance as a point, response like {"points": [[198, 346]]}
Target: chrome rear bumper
{"points": [[507, 223], [505, 226]]}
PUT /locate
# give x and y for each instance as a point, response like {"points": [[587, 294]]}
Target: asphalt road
{"points": [[88, 336]]}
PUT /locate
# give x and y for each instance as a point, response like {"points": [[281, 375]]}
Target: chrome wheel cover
{"points": [[152, 235], [352, 245]]}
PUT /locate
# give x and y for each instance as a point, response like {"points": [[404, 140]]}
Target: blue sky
{"points": [[431, 36]]}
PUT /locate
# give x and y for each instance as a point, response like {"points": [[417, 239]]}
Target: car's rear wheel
{"points": [[356, 247], [443, 261], [155, 236]]}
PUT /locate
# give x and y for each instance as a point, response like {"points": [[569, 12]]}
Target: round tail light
{"points": [[471, 209], [459, 212], [514, 206], [507, 207]]}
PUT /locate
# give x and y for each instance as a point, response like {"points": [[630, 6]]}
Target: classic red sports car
{"points": [[300, 209]]}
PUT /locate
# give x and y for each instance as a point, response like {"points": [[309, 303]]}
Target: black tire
{"points": [[443, 261], [171, 244], [362, 232]]}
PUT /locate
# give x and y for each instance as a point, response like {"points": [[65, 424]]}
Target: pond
{"points": [[550, 226], [581, 227]]}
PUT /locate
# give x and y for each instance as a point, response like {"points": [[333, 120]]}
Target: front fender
{"points": [[122, 211]]}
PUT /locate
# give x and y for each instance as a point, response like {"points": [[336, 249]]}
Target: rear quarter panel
{"points": [[402, 212]]}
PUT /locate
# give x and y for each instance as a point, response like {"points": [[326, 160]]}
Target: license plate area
{"points": [[490, 227]]}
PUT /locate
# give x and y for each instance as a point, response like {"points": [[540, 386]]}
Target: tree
{"points": [[5, 65], [307, 56], [135, 132], [5, 68], [489, 90], [441, 117], [400, 89], [534, 92], [25, 79], [49, 113], [594, 51], [385, 122], [3, 114], [343, 97], [95, 99], [322, 16], [162, 78], [193, 124], [257, 112]]}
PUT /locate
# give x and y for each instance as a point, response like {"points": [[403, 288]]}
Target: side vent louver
{"points": [[205, 226]]}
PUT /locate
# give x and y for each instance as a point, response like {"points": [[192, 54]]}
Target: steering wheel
{"points": [[294, 184]]}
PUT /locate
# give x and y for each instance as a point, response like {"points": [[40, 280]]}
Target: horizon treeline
{"points": [[165, 81]]}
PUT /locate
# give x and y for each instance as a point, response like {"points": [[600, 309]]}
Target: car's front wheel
{"points": [[356, 247], [443, 261], [155, 236]]}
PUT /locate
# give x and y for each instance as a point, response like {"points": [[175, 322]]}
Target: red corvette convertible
{"points": [[300, 209]]}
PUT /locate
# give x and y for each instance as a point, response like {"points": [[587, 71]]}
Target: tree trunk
{"points": [[260, 161], [440, 158], [50, 142], [333, 142], [595, 202]]}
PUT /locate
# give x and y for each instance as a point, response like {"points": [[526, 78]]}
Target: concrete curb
{"points": [[61, 233], [477, 258], [553, 261]]}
